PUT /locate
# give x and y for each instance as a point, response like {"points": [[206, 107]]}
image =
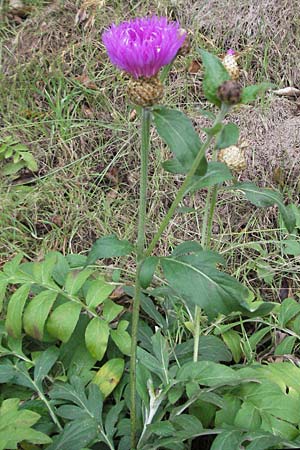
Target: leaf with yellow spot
{"points": [[108, 377]]}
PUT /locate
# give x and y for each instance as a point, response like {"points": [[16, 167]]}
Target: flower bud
{"points": [[233, 157], [145, 91], [230, 92], [230, 64]]}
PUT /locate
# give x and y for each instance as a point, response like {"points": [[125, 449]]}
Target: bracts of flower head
{"points": [[141, 47]]}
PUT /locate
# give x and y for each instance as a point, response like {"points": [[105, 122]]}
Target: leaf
{"points": [[13, 323], [75, 280], [161, 351], [15, 425], [289, 308], [248, 417], [250, 93], [96, 337], [147, 270], [286, 346], [266, 197], [228, 136], [44, 364], [98, 291], [207, 373], [177, 131], [195, 278], [215, 74], [108, 247], [111, 310], [187, 247], [150, 362], [3, 287], [112, 419], [228, 440], [122, 338], [233, 341], [109, 375], [217, 172], [76, 435], [36, 313], [261, 441], [174, 166], [63, 320], [291, 247]]}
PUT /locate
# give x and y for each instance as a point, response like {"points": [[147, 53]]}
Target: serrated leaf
{"points": [[229, 136], [195, 278], [108, 247], [96, 337], [177, 131], [215, 74], [250, 93], [266, 197], [13, 323], [36, 313], [147, 270], [109, 375], [63, 320]]}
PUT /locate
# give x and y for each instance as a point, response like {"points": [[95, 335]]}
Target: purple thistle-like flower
{"points": [[231, 52], [143, 45]]}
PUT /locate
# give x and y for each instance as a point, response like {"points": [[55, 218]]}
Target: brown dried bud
{"points": [[186, 46], [145, 91], [230, 92]]}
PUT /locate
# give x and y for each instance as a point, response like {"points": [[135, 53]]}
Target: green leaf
{"points": [[207, 373], [12, 168], [250, 93], [228, 440], [217, 172], [261, 441], [15, 425], [233, 341], [13, 323], [98, 291], [109, 375], [150, 362], [256, 337], [44, 364], [177, 131], [161, 352], [76, 435], [112, 419], [108, 247], [248, 417], [75, 280], [96, 337], [187, 247], [63, 320], [286, 346], [31, 163], [215, 74], [266, 197], [3, 286], [195, 278], [111, 310], [122, 338], [147, 270], [11, 267], [229, 136], [291, 247], [289, 308], [36, 313], [174, 166]]}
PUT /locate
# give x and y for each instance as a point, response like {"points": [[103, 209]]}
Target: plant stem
{"points": [[182, 191], [146, 120]]}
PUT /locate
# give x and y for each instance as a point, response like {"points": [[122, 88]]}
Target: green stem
{"points": [[182, 191], [146, 120]]}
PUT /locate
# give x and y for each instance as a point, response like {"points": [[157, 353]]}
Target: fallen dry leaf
{"points": [[194, 67], [288, 92], [86, 81]]}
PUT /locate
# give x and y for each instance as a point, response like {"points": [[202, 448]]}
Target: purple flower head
{"points": [[231, 52], [143, 45]]}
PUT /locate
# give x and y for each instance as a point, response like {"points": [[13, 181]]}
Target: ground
{"points": [[63, 100]]}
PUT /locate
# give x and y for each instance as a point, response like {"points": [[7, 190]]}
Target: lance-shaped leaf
{"points": [[36, 313], [108, 247], [177, 131], [214, 75], [13, 323], [228, 136], [197, 281], [264, 198], [63, 320]]}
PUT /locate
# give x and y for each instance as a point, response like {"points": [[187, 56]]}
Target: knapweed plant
{"points": [[175, 393]]}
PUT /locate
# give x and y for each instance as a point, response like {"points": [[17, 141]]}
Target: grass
{"points": [[62, 98]]}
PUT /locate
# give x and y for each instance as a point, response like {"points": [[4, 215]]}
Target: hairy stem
{"points": [[146, 120]]}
